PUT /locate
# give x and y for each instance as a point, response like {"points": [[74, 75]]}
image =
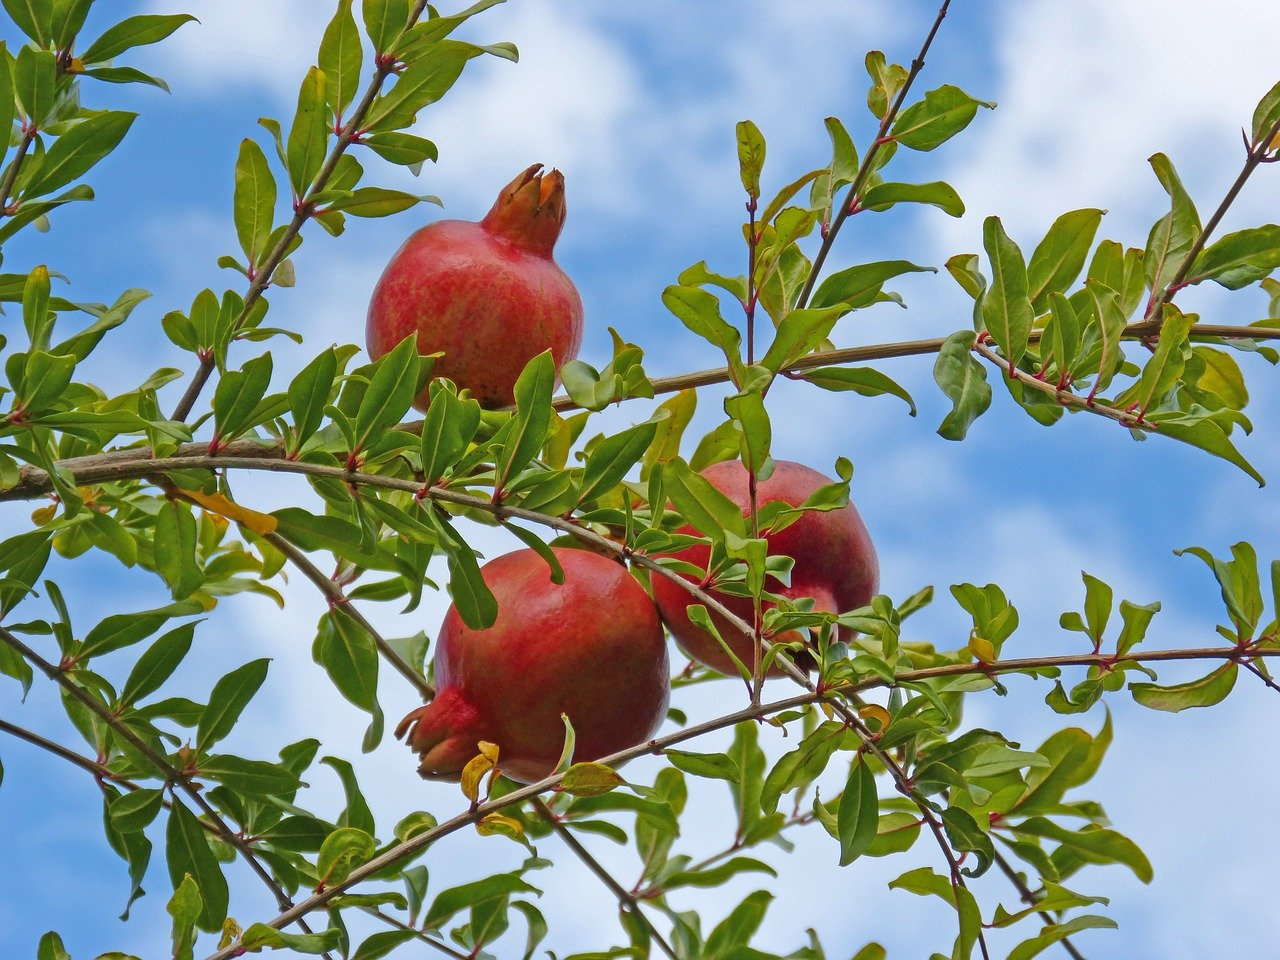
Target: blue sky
{"points": [[636, 103]]}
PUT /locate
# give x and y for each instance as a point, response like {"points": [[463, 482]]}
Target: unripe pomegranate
{"points": [[835, 562], [591, 647], [488, 294]]}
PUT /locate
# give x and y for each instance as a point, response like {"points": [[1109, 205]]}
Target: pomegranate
{"points": [[488, 295], [835, 562], [591, 648]]}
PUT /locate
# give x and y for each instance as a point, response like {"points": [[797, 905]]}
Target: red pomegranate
{"points": [[835, 561], [591, 648], [488, 294]]}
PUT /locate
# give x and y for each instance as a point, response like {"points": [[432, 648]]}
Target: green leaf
{"points": [[390, 393], [1057, 932], [700, 312], [751, 152], [1208, 436], [349, 655], [250, 778], [737, 929], [612, 458], [532, 419], [1058, 259], [125, 75], [1163, 371], [715, 876], [964, 381], [1092, 844], [1222, 377], [886, 80], [185, 907], [260, 935], [384, 21], [377, 202], [36, 316], [255, 200], [471, 595], [341, 58], [858, 286], [309, 135], [381, 944], [342, 851], [133, 812], [236, 399], [133, 32], [859, 813], [748, 411], [422, 84], [1205, 692], [450, 902], [799, 333], [1240, 259], [1006, 307], [1174, 234], [357, 812], [864, 381], [230, 695], [8, 105], [75, 152], [188, 853], [717, 766], [590, 780], [937, 118], [174, 547], [942, 195], [309, 395], [447, 431], [704, 507], [402, 148], [124, 629], [157, 664], [35, 19]]}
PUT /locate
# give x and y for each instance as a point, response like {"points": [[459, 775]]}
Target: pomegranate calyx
{"points": [[530, 210], [444, 734]]}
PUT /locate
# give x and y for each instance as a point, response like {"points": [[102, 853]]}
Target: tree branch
{"points": [[303, 211], [170, 774], [626, 901], [864, 169], [1030, 900]]}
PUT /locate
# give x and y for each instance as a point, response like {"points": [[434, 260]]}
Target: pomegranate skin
{"points": [[591, 648], [835, 562], [488, 295]]}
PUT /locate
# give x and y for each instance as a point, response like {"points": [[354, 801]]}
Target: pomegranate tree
{"points": [[835, 561], [590, 648], [487, 296]]}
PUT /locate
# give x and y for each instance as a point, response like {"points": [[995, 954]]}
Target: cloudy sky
{"points": [[636, 104]]}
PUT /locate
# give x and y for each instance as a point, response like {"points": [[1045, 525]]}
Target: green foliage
{"points": [[389, 495]]}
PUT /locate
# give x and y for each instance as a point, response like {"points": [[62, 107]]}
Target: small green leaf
{"points": [[590, 780], [349, 655], [250, 778], [309, 395], [133, 32], [341, 58], [1058, 259], [1174, 234], [859, 813], [942, 195], [342, 851], [1240, 259], [612, 458], [964, 380], [230, 695], [35, 19], [384, 21], [75, 152], [717, 766], [260, 935], [188, 853], [703, 506], [309, 135], [185, 907], [377, 202], [858, 286], [864, 381], [1006, 307], [255, 201], [937, 118], [532, 419], [700, 312], [447, 431], [448, 903], [1205, 692], [390, 393], [751, 152]]}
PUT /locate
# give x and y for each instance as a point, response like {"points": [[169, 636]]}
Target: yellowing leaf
{"points": [[873, 711], [496, 823], [230, 933], [259, 523], [981, 648], [477, 767]]}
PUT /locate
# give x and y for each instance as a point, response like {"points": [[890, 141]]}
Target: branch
{"points": [[864, 170], [303, 210], [626, 900], [103, 772], [1029, 899], [171, 774], [474, 814], [1255, 154], [336, 597]]}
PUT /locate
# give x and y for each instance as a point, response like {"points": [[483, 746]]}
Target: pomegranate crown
{"points": [[530, 210]]}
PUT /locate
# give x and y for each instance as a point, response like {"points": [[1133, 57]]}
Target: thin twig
{"points": [[333, 593], [168, 772], [304, 209], [472, 815], [864, 169], [1030, 900], [626, 901]]}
